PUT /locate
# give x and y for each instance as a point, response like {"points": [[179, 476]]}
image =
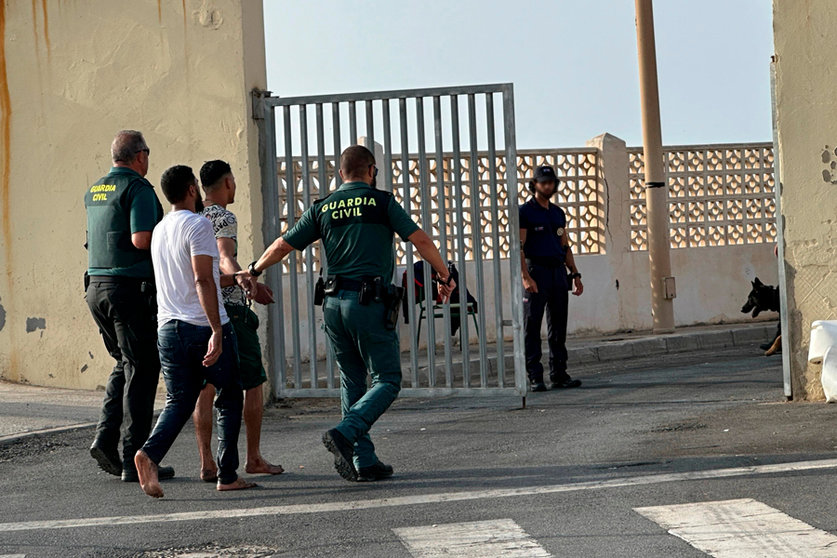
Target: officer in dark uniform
{"points": [[545, 257], [356, 224], [122, 210]]}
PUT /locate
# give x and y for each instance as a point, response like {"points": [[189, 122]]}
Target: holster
{"points": [[319, 292], [392, 302]]}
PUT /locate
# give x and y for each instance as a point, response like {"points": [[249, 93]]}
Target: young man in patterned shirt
{"points": [[218, 184]]}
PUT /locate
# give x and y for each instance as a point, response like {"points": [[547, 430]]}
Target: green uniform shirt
{"points": [[118, 205], [356, 224]]}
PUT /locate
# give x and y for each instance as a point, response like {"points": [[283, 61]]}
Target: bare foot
{"points": [[147, 472], [261, 466], [209, 474], [238, 484]]}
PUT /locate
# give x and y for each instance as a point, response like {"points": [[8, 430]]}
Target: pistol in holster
{"points": [[319, 292], [392, 301]]}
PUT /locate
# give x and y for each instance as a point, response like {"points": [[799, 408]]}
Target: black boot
{"points": [[537, 385], [374, 472], [343, 451], [106, 456]]}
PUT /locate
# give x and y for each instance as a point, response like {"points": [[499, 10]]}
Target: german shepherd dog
{"points": [[763, 298]]}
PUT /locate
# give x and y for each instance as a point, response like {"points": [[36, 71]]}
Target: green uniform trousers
{"points": [[360, 342]]}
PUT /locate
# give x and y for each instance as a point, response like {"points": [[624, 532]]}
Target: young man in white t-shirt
{"points": [[195, 339]]}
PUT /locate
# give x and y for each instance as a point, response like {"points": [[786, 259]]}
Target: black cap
{"points": [[545, 173]]}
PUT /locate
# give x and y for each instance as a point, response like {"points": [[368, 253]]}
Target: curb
{"points": [[620, 349], [11, 438]]}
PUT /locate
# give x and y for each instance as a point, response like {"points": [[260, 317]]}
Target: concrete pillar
{"points": [[614, 186], [71, 75], [806, 121]]}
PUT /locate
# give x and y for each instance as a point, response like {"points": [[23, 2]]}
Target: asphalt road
{"points": [[569, 470]]}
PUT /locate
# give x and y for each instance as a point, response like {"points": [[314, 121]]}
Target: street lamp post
{"points": [[656, 189]]}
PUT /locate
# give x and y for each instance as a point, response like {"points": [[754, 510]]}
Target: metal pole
{"points": [[322, 192], [512, 195], [656, 191], [290, 191], [784, 318], [441, 188]]}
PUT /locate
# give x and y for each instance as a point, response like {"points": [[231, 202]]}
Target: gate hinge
{"points": [[259, 95]]}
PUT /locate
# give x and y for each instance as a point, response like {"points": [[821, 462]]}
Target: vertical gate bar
{"points": [[290, 181], [495, 237], [427, 225], [352, 123], [460, 240], [514, 238], [476, 235], [335, 117], [443, 232], [387, 147], [309, 252], [270, 230], [411, 296], [335, 122], [322, 191], [370, 127]]}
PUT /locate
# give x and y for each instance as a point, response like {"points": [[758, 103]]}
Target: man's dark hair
{"points": [[355, 161], [212, 172], [175, 182]]}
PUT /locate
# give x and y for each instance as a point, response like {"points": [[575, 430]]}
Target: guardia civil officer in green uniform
{"points": [[356, 224], [122, 210]]}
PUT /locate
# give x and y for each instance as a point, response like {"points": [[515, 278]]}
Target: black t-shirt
{"points": [[545, 228]]}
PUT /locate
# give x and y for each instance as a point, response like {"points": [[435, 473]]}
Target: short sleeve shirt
{"points": [[139, 210], [545, 229], [180, 236], [357, 224], [225, 225]]}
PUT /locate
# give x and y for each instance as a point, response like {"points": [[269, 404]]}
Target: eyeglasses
{"points": [[147, 151], [376, 169]]}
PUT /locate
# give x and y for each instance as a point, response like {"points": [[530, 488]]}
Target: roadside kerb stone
{"points": [[682, 343], [716, 340], [615, 350], [750, 335]]}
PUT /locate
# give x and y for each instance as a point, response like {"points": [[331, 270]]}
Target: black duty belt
{"points": [[345, 284], [544, 262], [120, 280]]}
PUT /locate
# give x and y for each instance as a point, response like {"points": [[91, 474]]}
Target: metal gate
{"points": [[439, 152]]}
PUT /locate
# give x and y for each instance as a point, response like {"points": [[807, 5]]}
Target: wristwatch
{"points": [[576, 275], [251, 269]]}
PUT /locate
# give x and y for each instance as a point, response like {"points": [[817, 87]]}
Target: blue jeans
{"points": [[362, 343], [182, 347]]}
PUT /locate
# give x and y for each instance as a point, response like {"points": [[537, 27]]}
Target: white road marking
{"points": [[479, 539], [420, 499], [742, 529], [12, 555]]}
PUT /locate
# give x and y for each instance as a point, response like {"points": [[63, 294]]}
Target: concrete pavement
{"points": [[588, 472], [29, 410]]}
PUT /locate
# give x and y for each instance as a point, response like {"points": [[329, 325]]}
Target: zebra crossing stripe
{"points": [[742, 529], [479, 539]]}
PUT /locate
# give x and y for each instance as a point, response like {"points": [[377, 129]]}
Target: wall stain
{"points": [[6, 131], [160, 11], [34, 324], [46, 27], [84, 369], [2, 317]]}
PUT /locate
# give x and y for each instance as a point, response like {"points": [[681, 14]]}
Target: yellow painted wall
{"points": [[72, 73], [805, 34]]}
